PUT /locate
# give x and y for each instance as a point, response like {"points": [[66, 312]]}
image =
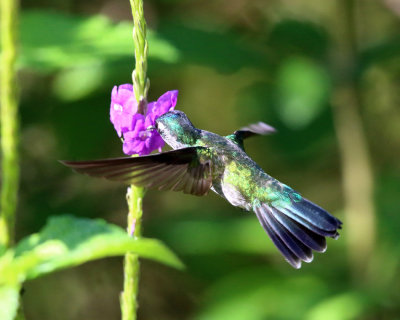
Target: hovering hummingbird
{"points": [[203, 160]]}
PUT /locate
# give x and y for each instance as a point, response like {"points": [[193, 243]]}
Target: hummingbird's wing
{"points": [[177, 170], [259, 128]]}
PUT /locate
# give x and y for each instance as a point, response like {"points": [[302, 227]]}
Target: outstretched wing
{"points": [[177, 170], [259, 128]]}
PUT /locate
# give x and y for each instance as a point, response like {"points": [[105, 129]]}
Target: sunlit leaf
{"points": [[346, 306], [303, 91], [67, 241], [261, 293], [8, 302], [2, 250], [78, 82], [52, 40]]}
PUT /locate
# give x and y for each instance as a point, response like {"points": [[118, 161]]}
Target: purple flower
{"points": [[133, 125], [163, 104], [139, 140], [123, 107]]}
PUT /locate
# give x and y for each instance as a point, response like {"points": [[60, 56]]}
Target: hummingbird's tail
{"points": [[297, 228]]}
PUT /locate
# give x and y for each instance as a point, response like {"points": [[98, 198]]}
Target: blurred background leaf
{"points": [[8, 302], [52, 40], [343, 307], [303, 92]]}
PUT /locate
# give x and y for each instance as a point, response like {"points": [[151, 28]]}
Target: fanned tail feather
{"points": [[297, 228]]}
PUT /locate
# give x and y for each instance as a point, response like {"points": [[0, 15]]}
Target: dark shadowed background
{"points": [[326, 74]]}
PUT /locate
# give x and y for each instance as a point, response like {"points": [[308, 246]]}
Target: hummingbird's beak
{"points": [[151, 128]]}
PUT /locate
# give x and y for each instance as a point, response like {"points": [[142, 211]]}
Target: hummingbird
{"points": [[202, 160]]}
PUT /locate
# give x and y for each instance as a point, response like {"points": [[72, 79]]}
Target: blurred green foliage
{"points": [[66, 242], [9, 296], [53, 40], [303, 89], [234, 62]]}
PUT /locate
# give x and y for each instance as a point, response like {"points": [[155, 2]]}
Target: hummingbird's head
{"points": [[176, 129]]}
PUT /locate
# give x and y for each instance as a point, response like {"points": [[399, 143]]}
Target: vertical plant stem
{"points": [[9, 125], [139, 76], [129, 304], [9, 120], [357, 172]]}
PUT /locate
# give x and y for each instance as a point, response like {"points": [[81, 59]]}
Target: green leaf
{"points": [[2, 249], [382, 52], [67, 241], [303, 92], [243, 235], [263, 294], [51, 41], [346, 306], [212, 46], [9, 296], [80, 81]]}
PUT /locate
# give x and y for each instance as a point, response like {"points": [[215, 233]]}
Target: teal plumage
{"points": [[203, 160]]}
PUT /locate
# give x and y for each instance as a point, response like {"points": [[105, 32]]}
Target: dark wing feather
{"points": [[290, 256], [259, 128], [297, 228], [177, 170]]}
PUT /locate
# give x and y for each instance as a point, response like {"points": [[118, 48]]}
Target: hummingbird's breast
{"points": [[236, 177]]}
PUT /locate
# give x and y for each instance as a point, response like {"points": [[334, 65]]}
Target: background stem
{"points": [[9, 124], [129, 304], [9, 121], [357, 175]]}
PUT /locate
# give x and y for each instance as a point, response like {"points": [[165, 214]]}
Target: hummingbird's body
{"points": [[203, 160], [235, 176]]}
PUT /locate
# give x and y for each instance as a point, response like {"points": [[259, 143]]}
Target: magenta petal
{"points": [[126, 122], [115, 117], [167, 101], [132, 145], [141, 148], [151, 107], [123, 107], [155, 142], [138, 124], [149, 121], [126, 86], [114, 93], [123, 96]]}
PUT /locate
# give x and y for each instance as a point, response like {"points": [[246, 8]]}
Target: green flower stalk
{"points": [[135, 194], [9, 120], [9, 125], [129, 303], [141, 83]]}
